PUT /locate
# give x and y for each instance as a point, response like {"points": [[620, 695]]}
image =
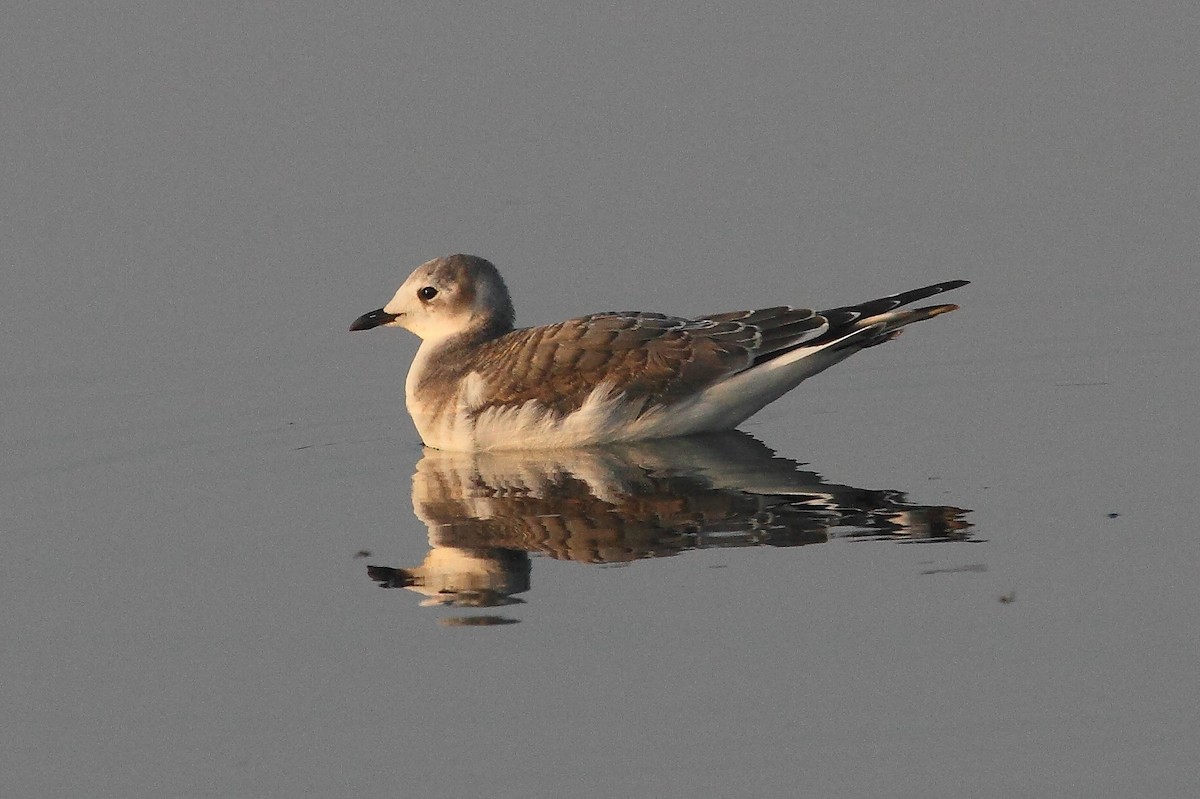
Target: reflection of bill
{"points": [[486, 511]]}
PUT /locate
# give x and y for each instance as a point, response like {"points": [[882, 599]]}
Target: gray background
{"points": [[198, 198]]}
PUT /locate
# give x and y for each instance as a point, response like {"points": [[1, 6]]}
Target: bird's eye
{"points": [[427, 293]]}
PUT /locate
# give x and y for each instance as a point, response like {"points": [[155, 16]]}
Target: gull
{"points": [[476, 383]]}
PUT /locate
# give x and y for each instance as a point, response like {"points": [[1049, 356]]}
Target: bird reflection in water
{"points": [[487, 512]]}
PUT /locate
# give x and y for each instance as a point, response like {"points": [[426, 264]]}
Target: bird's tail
{"points": [[879, 320]]}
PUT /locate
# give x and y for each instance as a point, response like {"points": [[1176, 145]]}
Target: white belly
{"points": [[454, 424]]}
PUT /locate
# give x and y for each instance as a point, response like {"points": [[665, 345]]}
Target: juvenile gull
{"points": [[476, 383]]}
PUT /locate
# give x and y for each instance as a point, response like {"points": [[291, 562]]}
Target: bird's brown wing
{"points": [[653, 357]]}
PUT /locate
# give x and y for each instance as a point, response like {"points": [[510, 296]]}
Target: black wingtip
{"points": [[929, 291]]}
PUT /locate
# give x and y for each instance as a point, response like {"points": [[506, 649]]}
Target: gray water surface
{"points": [[197, 201]]}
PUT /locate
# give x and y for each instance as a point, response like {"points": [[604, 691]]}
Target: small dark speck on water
{"points": [[362, 553], [476, 621], [1009, 598], [1113, 515]]}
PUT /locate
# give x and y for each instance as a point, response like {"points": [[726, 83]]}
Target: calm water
{"points": [[962, 564]]}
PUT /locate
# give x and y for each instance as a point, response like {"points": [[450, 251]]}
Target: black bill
{"points": [[373, 319]]}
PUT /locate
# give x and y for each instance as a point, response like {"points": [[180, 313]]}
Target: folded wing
{"points": [[662, 359]]}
